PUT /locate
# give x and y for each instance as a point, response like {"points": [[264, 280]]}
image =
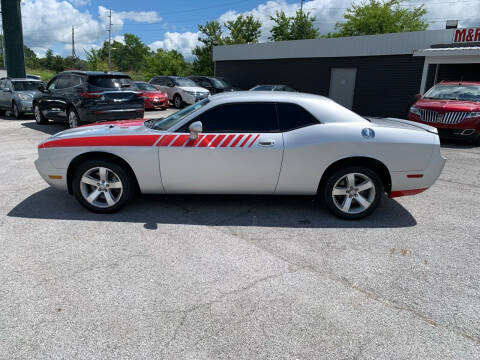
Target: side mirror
{"points": [[7, 90], [418, 96], [41, 88], [195, 128]]}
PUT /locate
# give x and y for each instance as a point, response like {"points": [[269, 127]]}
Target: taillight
{"points": [[91, 95]]}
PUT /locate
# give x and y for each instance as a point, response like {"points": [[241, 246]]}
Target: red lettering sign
{"points": [[466, 35]]}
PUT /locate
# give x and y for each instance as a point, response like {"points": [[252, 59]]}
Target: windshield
{"points": [[25, 85], [168, 122], [454, 92], [263, 88], [219, 83], [184, 82], [110, 82], [146, 87]]}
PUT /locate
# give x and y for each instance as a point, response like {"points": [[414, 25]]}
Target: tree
{"points": [[243, 30], [211, 35], [380, 17], [298, 27], [165, 62]]}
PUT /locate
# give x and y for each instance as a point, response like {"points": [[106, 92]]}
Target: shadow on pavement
{"points": [[212, 210], [51, 128], [457, 144]]}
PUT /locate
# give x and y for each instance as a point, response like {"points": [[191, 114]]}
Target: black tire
{"points": [[15, 112], [39, 118], [115, 173], [354, 199], [177, 101], [71, 112]]}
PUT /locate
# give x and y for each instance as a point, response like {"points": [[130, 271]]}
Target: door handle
{"points": [[266, 142]]}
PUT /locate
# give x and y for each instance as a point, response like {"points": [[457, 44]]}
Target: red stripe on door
{"points": [[256, 137], [180, 140], [207, 139], [236, 141], [246, 140], [124, 140], [192, 143], [166, 140], [227, 140], [217, 140]]}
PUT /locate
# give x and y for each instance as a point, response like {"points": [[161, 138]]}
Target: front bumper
{"points": [[25, 106], [193, 98], [56, 178], [156, 104], [468, 129]]}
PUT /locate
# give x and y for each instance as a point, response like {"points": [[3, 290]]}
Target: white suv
{"points": [[179, 90]]}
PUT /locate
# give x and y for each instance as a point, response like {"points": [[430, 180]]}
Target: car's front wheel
{"points": [[73, 119], [16, 113], [353, 192], [39, 118], [102, 186]]}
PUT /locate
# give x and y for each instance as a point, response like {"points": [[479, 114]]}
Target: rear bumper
{"points": [[99, 114]]}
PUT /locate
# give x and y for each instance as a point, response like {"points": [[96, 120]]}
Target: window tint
{"points": [[292, 116], [245, 117], [2, 84], [62, 82], [26, 85], [157, 81], [110, 81], [52, 84], [75, 80]]}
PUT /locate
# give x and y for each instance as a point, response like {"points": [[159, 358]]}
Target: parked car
{"points": [[180, 90], [154, 98], [279, 143], [453, 107], [16, 95], [273, 88], [212, 84], [35, 77], [79, 97]]}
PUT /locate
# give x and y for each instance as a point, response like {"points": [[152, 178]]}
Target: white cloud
{"points": [[118, 18], [80, 2], [182, 42]]}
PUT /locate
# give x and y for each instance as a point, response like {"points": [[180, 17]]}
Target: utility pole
{"points": [[110, 40], [73, 47], [13, 35]]}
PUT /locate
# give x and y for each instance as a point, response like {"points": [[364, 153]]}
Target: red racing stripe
{"points": [[256, 137], [246, 140], [227, 140], [207, 139], [217, 140], [166, 140], [124, 140], [236, 141], [180, 140]]}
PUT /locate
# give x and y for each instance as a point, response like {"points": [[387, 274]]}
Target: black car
{"points": [[212, 84], [88, 96]]}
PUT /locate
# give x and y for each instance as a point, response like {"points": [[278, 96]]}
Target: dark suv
{"points": [[88, 96], [212, 84]]}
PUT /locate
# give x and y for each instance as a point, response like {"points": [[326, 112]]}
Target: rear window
{"points": [[454, 92], [110, 82]]}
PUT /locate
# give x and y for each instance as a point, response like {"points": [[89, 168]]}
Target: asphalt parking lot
{"points": [[223, 277]]}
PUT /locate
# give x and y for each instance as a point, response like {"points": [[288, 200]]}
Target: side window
{"points": [[244, 117], [62, 82], [75, 80], [292, 116], [9, 85], [169, 82], [156, 81], [52, 84], [2, 84]]}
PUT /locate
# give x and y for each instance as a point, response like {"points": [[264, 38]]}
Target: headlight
{"points": [[415, 110], [473, 115], [190, 92], [25, 97]]}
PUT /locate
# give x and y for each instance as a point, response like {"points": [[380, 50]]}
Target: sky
{"points": [[174, 24]]}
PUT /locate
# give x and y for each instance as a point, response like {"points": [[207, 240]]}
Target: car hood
{"points": [[447, 105], [27, 92], [401, 124], [194, 88]]}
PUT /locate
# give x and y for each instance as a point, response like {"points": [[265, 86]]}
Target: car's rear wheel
{"points": [[39, 118], [177, 101], [353, 192], [73, 119], [16, 113], [102, 185]]}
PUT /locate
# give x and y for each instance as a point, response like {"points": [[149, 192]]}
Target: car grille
{"points": [[446, 118]]}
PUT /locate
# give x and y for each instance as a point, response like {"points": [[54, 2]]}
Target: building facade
{"points": [[376, 75]]}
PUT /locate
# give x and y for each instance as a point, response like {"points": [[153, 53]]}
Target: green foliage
{"points": [[211, 34], [44, 74], [167, 63], [298, 27], [380, 17], [243, 30]]}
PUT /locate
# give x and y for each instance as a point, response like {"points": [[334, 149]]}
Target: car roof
{"points": [[21, 79], [92, 73], [459, 83], [265, 96]]}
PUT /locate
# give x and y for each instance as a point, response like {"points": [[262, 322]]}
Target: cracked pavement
{"points": [[236, 277]]}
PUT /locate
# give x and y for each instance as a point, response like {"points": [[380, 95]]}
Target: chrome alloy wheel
{"points": [[72, 119], [101, 187], [38, 114], [353, 193]]}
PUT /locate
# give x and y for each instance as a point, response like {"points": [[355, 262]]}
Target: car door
{"points": [[239, 152], [59, 97], [2, 86], [46, 103], [7, 95]]}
